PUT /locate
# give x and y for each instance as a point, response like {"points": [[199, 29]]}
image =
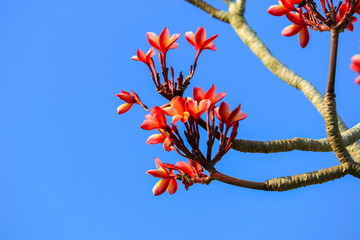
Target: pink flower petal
{"points": [[155, 139], [123, 108], [161, 186], [278, 10], [291, 30], [172, 186], [158, 173], [304, 37]]}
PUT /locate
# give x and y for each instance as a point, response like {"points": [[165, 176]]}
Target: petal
{"points": [[208, 43], [155, 139], [235, 116], [199, 94], [159, 164], [295, 18], [161, 186], [200, 36], [291, 30], [218, 97], [153, 39], [186, 168], [304, 37], [278, 10], [355, 67], [164, 38], [150, 123], [171, 42], [357, 80], [356, 59], [123, 108], [210, 94], [172, 186], [224, 111], [125, 96], [190, 37], [158, 173]]}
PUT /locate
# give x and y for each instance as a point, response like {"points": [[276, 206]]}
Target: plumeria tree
{"points": [[201, 127]]}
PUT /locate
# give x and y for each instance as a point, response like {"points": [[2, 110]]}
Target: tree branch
{"points": [[214, 12], [249, 37], [290, 182], [304, 144]]}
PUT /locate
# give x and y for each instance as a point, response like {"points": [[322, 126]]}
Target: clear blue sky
{"points": [[71, 168]]}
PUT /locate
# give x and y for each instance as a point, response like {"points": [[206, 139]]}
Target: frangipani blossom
{"points": [[177, 110], [129, 101], [156, 119], [186, 168], [145, 58], [230, 118], [199, 41], [199, 94], [196, 109], [167, 181], [299, 26], [163, 42], [164, 138]]}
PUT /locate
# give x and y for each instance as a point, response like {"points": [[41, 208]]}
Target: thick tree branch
{"points": [[306, 179], [214, 12], [304, 144], [290, 182]]}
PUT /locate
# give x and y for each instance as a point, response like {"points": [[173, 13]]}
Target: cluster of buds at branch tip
{"points": [[355, 66], [306, 14], [188, 173]]}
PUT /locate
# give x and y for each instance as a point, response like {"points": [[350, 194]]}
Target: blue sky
{"points": [[71, 168]]}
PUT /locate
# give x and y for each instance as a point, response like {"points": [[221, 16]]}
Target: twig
{"points": [[214, 12]]}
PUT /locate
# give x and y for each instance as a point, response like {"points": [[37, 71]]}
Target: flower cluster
{"points": [[203, 109], [188, 111], [304, 14], [163, 43], [188, 173], [355, 66]]}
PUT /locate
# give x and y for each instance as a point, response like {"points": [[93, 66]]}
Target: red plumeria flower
{"points": [[145, 58], [230, 118], [164, 138], [284, 7], [177, 110], [199, 94], [184, 167], [199, 170], [129, 101], [355, 66], [199, 41], [167, 181], [299, 26], [164, 42], [196, 109], [155, 120]]}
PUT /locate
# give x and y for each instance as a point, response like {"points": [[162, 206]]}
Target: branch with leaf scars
{"points": [[286, 183], [214, 12], [304, 144]]}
